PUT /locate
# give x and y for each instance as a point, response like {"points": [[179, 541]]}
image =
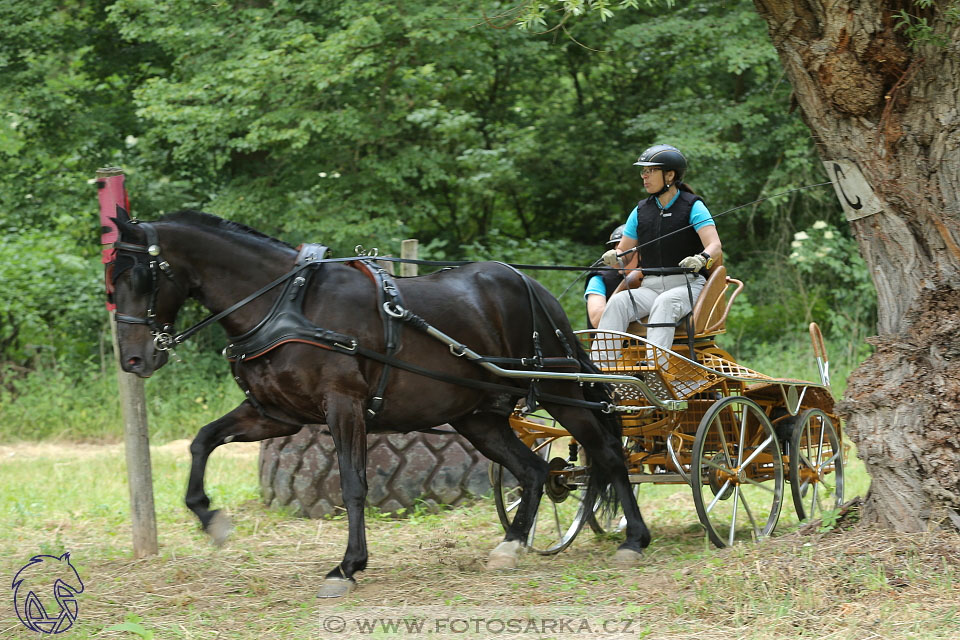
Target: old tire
{"points": [[403, 471]]}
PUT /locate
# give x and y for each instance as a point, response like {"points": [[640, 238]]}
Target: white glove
{"points": [[610, 258], [695, 262]]}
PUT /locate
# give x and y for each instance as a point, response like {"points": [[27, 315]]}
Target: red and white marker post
{"points": [[114, 203]]}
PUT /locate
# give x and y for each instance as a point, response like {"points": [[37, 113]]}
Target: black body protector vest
{"points": [[611, 278], [653, 224]]}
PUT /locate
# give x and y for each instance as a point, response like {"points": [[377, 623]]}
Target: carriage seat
{"points": [[709, 310]]}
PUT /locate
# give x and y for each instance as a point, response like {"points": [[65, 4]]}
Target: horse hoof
{"points": [[336, 587], [627, 558], [505, 555], [220, 528]]}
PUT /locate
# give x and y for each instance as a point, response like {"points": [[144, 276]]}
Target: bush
{"points": [[51, 301]]}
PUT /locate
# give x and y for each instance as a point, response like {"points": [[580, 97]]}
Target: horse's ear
{"points": [[126, 229], [65, 557]]}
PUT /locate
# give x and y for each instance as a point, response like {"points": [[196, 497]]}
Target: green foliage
{"points": [[51, 305], [369, 122], [923, 27]]}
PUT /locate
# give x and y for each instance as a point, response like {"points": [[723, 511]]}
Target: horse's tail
{"points": [[600, 480]]}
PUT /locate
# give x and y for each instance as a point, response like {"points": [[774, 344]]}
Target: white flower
{"points": [[322, 174], [335, 174], [796, 244], [130, 141], [828, 234], [801, 235], [820, 224], [794, 255]]}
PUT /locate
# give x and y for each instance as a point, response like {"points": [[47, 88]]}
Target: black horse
{"points": [[487, 306]]}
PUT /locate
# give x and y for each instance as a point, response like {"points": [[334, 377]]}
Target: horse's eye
{"points": [[141, 280]]}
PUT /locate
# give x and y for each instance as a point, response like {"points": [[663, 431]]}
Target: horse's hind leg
{"points": [[605, 449], [494, 438], [345, 419], [243, 424]]}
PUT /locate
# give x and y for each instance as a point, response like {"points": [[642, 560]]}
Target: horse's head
{"points": [[148, 296]]}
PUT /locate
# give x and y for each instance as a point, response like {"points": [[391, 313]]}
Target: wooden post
{"points": [[387, 264], [114, 203], [408, 251]]}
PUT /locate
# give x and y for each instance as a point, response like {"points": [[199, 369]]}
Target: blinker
{"points": [[154, 250]]}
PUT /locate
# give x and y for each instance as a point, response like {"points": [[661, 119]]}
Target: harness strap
{"points": [[388, 296]]}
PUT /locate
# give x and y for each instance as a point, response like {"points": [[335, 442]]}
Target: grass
{"points": [[848, 582]]}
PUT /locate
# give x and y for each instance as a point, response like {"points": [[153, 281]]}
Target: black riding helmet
{"points": [[667, 158], [615, 236]]}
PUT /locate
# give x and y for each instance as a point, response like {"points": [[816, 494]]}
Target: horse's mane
{"points": [[189, 216]]}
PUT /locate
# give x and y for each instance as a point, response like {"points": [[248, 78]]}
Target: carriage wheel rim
{"points": [[809, 465], [738, 430]]}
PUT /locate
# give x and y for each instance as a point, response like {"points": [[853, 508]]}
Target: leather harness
{"points": [[286, 322]]}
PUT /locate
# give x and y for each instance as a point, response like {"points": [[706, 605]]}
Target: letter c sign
{"points": [[855, 195]]}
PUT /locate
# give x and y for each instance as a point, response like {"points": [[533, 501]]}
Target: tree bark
{"points": [[871, 99]]}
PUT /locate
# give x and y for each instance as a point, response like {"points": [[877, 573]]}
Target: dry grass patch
{"points": [[844, 583]]}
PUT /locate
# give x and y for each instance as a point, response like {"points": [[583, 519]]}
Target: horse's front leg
{"points": [[243, 424], [347, 426]]}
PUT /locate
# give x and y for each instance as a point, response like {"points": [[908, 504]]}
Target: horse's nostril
{"points": [[133, 362]]}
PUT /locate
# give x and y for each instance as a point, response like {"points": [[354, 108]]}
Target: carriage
{"points": [[691, 416], [338, 341]]}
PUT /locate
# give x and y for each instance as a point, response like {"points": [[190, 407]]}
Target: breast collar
{"points": [[285, 321]]}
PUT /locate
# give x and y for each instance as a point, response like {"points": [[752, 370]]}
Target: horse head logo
{"points": [[45, 594]]}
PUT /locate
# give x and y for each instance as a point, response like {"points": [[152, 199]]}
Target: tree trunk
{"points": [[871, 100]]}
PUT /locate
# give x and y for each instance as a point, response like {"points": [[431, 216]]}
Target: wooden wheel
{"points": [[563, 505], [816, 465], [737, 472]]}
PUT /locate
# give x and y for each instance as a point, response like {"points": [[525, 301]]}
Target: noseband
{"points": [[162, 333]]}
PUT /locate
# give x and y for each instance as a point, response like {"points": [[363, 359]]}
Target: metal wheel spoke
{"points": [[743, 429], [711, 463], [718, 497], [746, 507], [814, 503], [723, 440], [733, 518], [829, 461], [820, 445], [759, 484], [756, 452], [805, 460], [556, 520]]}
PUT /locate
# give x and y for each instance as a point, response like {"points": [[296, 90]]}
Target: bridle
{"points": [[165, 337], [163, 334]]}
